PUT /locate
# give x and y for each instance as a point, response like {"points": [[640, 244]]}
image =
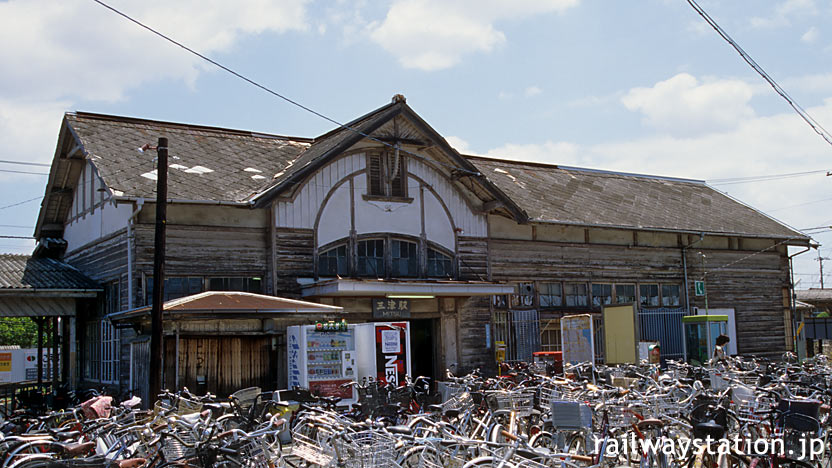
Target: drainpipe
{"points": [[130, 242], [793, 299]]}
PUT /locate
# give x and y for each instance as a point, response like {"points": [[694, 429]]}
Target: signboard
{"points": [[501, 351], [391, 308], [391, 354], [578, 339], [620, 334], [699, 288], [5, 362], [294, 356], [331, 388]]}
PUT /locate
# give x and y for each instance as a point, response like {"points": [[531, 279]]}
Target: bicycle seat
{"points": [[129, 463], [330, 401], [65, 435], [647, 424], [73, 450], [434, 408], [400, 430], [708, 428]]}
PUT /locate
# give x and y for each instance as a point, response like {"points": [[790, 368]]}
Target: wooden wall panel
{"points": [[473, 315], [473, 258], [294, 258]]}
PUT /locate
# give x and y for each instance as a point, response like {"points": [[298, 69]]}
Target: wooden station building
{"points": [[483, 249]]}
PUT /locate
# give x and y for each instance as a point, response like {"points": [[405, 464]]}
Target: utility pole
{"points": [[820, 260], [158, 270]]}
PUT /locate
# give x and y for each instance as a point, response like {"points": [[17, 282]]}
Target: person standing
{"points": [[719, 349]]}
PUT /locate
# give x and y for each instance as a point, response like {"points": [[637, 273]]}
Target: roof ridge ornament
{"points": [[397, 98]]}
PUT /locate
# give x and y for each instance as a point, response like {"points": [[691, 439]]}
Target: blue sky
{"points": [[642, 87]]}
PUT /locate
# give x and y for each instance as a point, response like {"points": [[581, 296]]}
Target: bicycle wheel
{"points": [[543, 439]]}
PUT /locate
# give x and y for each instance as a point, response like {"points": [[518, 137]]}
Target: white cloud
{"points": [[811, 36], [458, 144], [67, 52], [532, 91], [436, 34], [682, 105], [784, 12]]}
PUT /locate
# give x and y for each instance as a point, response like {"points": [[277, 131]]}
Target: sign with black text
{"points": [[389, 308]]}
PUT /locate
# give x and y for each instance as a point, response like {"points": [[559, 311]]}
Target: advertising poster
{"points": [[390, 354], [578, 339]]}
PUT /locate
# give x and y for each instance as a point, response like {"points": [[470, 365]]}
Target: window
{"points": [[333, 262], [112, 298], [500, 301], [439, 264], [575, 294], [386, 175], [601, 294], [670, 295], [175, 287], [405, 259], [625, 293], [649, 295], [550, 295], [524, 295], [252, 285], [101, 351], [92, 350], [371, 258]]}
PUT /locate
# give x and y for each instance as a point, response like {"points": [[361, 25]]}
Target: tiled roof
{"points": [[814, 295], [205, 163], [24, 273], [567, 195]]}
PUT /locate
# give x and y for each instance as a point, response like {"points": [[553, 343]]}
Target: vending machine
{"points": [[322, 359], [383, 351]]}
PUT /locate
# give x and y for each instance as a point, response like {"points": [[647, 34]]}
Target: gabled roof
{"points": [[232, 302], [24, 274], [569, 195]]}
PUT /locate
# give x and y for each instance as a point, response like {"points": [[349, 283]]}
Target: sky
{"points": [[645, 87]]}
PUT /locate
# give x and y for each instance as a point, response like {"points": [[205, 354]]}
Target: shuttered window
{"points": [[386, 175], [371, 258]]}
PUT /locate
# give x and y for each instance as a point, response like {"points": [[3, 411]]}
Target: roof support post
{"points": [[158, 271]]}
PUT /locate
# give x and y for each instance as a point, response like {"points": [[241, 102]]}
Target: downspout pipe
{"points": [[130, 242], [792, 295]]}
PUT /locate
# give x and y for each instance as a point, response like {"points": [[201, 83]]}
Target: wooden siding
{"points": [[473, 258], [103, 261], [293, 259], [220, 365], [749, 282], [199, 250], [301, 211], [473, 315], [753, 287]]}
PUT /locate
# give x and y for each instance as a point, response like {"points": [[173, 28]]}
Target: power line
{"points": [[24, 172], [803, 204], [764, 178], [24, 163], [16, 237], [16, 226], [20, 203], [817, 127], [269, 90]]}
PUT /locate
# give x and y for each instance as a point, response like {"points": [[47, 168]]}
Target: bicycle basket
{"points": [[571, 415], [518, 401], [365, 449], [246, 397]]}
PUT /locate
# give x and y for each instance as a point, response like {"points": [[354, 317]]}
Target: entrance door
{"points": [[422, 348]]}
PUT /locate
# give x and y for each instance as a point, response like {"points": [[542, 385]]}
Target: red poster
{"points": [[331, 388], [391, 352]]}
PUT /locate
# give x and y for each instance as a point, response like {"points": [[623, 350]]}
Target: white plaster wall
{"points": [[438, 227], [105, 220], [301, 212], [384, 216], [472, 224], [335, 218]]}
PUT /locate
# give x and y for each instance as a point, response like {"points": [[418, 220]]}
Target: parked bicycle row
{"points": [[739, 412]]}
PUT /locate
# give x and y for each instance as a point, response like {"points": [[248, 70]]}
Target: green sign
{"points": [[699, 288]]}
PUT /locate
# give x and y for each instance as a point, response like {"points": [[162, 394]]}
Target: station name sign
{"points": [[387, 308]]}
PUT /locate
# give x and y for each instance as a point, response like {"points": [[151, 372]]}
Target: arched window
{"points": [[333, 262], [405, 259], [371, 258], [439, 264]]}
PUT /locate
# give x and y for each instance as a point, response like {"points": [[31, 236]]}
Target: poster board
{"points": [[578, 339], [620, 334]]}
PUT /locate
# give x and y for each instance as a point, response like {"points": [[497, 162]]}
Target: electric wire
{"points": [[23, 172], [764, 178], [23, 163], [815, 125], [269, 90], [20, 203]]}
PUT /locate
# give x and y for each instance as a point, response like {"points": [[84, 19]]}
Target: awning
{"points": [[12, 306], [374, 287], [230, 304]]}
